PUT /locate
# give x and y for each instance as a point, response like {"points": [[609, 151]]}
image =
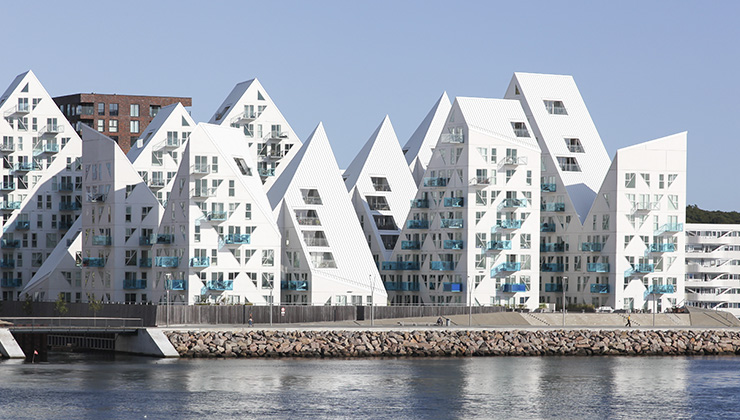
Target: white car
{"points": [[605, 309]]}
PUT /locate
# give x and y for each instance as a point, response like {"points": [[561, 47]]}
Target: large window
{"points": [[101, 108], [113, 109], [574, 145], [101, 125], [569, 164], [520, 129], [134, 126], [555, 108], [154, 110], [113, 126], [134, 110]]}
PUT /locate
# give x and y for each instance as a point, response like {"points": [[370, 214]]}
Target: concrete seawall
{"points": [[441, 343]]}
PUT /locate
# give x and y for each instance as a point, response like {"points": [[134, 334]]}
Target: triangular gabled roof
{"points": [[48, 278], [418, 149], [23, 78], [494, 117], [169, 118]]}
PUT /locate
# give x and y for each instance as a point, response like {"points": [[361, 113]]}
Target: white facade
{"points": [[713, 266], [326, 259], [270, 138], [418, 149]]}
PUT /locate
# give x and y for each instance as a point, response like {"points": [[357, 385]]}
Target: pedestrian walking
{"points": [[250, 322], [629, 322]]}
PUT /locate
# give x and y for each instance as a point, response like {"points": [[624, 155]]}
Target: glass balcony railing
{"points": [[599, 288], [410, 244], [417, 224], [263, 172], [7, 263], [200, 169], [498, 245], [217, 216], [668, 247], [597, 267], [102, 240], [401, 286], [167, 262], [26, 167], [553, 287], [46, 148], [145, 262], [454, 202], [237, 239], [552, 247], [452, 138], [669, 228], [591, 246], [548, 187], [452, 287], [552, 268], [65, 224], [200, 262], [508, 224], [644, 268], [134, 284], [509, 203], [513, 287], [66, 187], [420, 204], [442, 265], [659, 289], [165, 238], [452, 244], [148, 239], [70, 206], [297, 285], [547, 227], [220, 285], [22, 225], [435, 182], [10, 243], [7, 186], [400, 265], [11, 282], [308, 221], [176, 284], [93, 262], [514, 160], [552, 207], [506, 267], [451, 223], [10, 205]]}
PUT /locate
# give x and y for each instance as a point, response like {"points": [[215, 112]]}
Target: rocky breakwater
{"points": [[436, 343]]}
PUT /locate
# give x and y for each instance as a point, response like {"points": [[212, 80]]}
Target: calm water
{"points": [[103, 386]]}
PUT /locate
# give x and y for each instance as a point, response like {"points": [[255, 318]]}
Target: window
{"points": [[529, 177], [605, 222], [134, 110], [629, 180], [555, 108], [242, 165], [646, 178], [268, 257], [113, 109], [311, 196], [101, 125], [574, 145], [520, 129], [231, 188], [380, 184], [214, 164], [113, 126], [569, 164], [154, 110], [673, 201], [248, 211], [134, 126], [101, 108]]}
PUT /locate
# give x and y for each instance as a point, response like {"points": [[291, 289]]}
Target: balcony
{"points": [[552, 268], [452, 244], [452, 138], [146, 240], [420, 204], [220, 285], [597, 267], [552, 207], [96, 197], [506, 267], [659, 289], [513, 287], [26, 166], [435, 182], [46, 148], [7, 186], [156, 183], [452, 287], [278, 135], [297, 285], [102, 240], [145, 262], [511, 203], [599, 288], [265, 172], [554, 287], [670, 228], [667, 247], [244, 118], [200, 169], [165, 238], [417, 224], [200, 262], [7, 263], [513, 160], [308, 221], [547, 227], [167, 262], [552, 247], [454, 202], [10, 205], [10, 243], [134, 284], [442, 265], [410, 244], [65, 224], [498, 245], [237, 239], [451, 223], [549, 188], [481, 181], [11, 282], [401, 286], [203, 192], [51, 129], [591, 246], [400, 265], [93, 262], [218, 216], [176, 284], [21, 108], [70, 206], [645, 206], [508, 224], [22, 225], [7, 148], [644, 268]]}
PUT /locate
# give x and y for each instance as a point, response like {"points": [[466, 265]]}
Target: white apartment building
{"points": [[326, 259], [41, 188], [381, 188], [713, 266], [267, 133], [418, 148], [468, 238]]}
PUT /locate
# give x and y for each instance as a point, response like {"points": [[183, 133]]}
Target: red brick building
{"points": [[120, 117]]}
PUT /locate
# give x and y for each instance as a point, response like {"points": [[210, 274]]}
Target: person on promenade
{"points": [[629, 321], [439, 321], [250, 322]]}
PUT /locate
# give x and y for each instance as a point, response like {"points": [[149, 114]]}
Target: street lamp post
{"points": [[470, 304], [168, 307], [565, 280], [372, 300], [272, 287]]}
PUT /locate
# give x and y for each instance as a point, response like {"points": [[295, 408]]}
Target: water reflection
{"points": [[71, 386]]}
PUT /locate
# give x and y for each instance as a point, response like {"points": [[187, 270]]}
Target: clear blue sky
{"points": [[645, 69]]}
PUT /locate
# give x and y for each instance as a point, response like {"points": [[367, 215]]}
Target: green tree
{"points": [[60, 306], [28, 305]]}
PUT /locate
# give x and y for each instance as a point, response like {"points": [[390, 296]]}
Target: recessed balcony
{"points": [[597, 267], [400, 265], [552, 268], [442, 265], [556, 207], [220, 285], [134, 284]]}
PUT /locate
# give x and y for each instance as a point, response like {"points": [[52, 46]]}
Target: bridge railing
{"points": [[73, 322]]}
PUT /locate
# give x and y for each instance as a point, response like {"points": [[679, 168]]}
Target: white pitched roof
{"points": [[494, 117], [169, 118], [418, 148]]}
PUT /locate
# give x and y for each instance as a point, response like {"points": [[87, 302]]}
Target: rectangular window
{"points": [[555, 107], [101, 125], [231, 188], [134, 126], [113, 109], [134, 110], [520, 129], [568, 164], [101, 108], [248, 212], [268, 257], [154, 110], [113, 126], [629, 180], [574, 145]]}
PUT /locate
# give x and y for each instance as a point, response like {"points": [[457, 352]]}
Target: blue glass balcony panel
{"points": [[454, 202], [400, 265], [410, 244], [554, 287], [417, 224], [176, 284], [130, 284], [145, 262], [552, 207], [591, 246], [599, 288], [452, 244], [167, 262], [442, 265], [435, 182], [552, 247], [11, 282], [668, 247], [102, 240], [220, 285], [451, 223], [547, 227], [420, 204], [200, 262], [548, 187], [93, 262], [452, 287], [513, 287], [498, 245], [597, 267], [297, 285], [552, 267], [506, 267], [237, 239]]}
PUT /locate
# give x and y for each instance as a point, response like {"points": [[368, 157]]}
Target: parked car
{"points": [[605, 309]]}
